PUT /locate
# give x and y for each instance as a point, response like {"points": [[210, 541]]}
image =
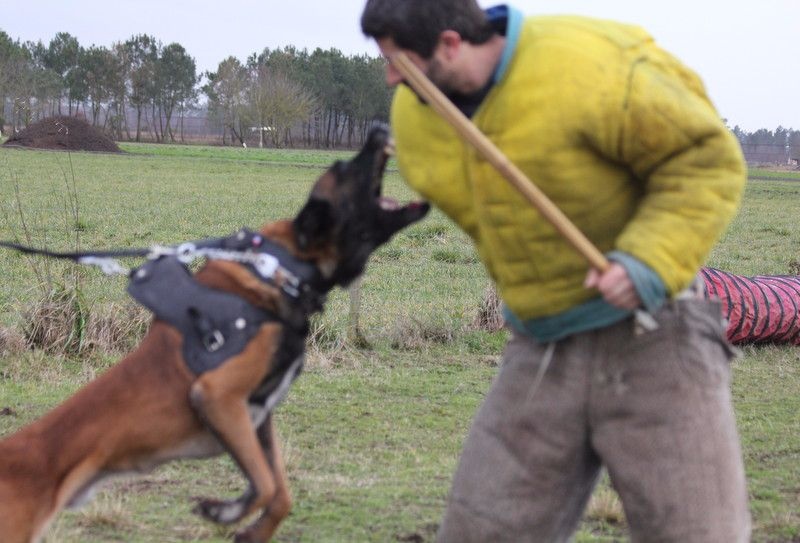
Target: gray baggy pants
{"points": [[653, 408]]}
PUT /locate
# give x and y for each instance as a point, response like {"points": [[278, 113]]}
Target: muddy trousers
{"points": [[653, 408]]}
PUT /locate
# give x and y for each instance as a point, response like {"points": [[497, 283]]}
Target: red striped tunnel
{"points": [[759, 309]]}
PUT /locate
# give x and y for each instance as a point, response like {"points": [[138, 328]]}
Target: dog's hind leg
{"points": [[264, 526], [220, 398]]}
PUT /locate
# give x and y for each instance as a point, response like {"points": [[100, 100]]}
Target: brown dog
{"points": [[153, 406]]}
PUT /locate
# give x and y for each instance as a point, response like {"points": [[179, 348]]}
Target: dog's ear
{"points": [[314, 223]]}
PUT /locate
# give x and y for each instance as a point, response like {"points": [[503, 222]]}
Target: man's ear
{"points": [[314, 223], [450, 42]]}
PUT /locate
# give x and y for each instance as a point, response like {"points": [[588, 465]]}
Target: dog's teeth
{"points": [[388, 204]]}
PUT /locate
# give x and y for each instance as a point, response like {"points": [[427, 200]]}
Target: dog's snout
{"points": [[378, 136]]}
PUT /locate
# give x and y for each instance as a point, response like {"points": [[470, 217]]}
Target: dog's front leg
{"points": [[264, 527], [220, 398]]}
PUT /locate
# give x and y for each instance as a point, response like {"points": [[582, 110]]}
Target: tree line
{"points": [[779, 146], [332, 98], [286, 96]]}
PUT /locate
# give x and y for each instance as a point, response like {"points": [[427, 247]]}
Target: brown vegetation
{"points": [[62, 323], [490, 315]]}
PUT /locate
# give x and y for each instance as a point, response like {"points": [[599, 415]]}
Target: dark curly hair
{"points": [[416, 25]]}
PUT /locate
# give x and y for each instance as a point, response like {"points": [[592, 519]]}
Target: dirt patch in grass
{"points": [[63, 134]]}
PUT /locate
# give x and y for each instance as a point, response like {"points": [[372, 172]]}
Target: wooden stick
{"points": [[468, 131]]}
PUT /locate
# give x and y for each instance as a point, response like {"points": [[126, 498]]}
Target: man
{"points": [[622, 137]]}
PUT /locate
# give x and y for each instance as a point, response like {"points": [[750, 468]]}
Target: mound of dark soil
{"points": [[64, 134]]}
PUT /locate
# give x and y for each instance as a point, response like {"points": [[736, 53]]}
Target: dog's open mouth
{"points": [[387, 203], [390, 204]]}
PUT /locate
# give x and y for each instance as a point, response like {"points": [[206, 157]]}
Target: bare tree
{"points": [[277, 103]]}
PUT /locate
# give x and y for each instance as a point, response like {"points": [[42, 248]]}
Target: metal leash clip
{"points": [[109, 266], [186, 252]]}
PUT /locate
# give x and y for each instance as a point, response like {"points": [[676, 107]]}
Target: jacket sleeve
{"points": [[690, 166]]}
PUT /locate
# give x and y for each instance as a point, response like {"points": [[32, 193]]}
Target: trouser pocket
{"points": [[704, 352]]}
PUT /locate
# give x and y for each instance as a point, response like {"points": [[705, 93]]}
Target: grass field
{"points": [[371, 435]]}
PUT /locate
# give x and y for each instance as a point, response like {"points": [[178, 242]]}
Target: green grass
{"points": [[309, 158], [371, 436], [765, 237], [761, 173]]}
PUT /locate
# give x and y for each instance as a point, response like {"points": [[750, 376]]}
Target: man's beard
{"points": [[436, 75]]}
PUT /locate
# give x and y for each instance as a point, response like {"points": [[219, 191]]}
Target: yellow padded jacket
{"points": [[617, 132]]}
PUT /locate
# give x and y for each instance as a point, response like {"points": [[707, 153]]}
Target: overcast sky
{"points": [[748, 53]]}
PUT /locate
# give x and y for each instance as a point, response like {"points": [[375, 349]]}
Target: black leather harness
{"points": [[215, 325]]}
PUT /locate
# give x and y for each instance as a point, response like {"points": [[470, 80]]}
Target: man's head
{"points": [[417, 25], [434, 34]]}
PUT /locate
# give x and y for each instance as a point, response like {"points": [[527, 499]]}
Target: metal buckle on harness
{"points": [[266, 265], [270, 267], [213, 341]]}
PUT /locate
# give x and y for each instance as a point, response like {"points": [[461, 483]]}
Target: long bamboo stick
{"points": [[467, 130]]}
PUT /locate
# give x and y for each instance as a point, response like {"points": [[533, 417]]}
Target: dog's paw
{"points": [[220, 511]]}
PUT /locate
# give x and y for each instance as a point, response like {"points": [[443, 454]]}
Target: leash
{"points": [[271, 262], [97, 258]]}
